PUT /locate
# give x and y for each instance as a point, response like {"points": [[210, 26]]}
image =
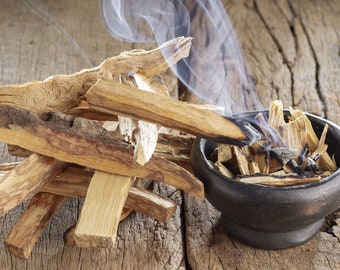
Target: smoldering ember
{"points": [[290, 153]]}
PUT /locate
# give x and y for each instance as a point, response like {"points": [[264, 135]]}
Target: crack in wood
{"points": [[285, 60], [317, 71]]}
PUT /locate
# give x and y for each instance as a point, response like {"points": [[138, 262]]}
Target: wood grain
{"points": [[111, 97], [27, 231], [99, 218], [28, 178]]}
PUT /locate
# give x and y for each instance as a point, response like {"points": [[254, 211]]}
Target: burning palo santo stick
{"points": [[64, 93], [114, 98]]}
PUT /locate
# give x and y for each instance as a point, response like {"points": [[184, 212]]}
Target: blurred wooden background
{"points": [[292, 51]]}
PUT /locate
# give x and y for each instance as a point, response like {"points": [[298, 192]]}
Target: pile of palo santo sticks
{"points": [[81, 136], [289, 154], [95, 134]]}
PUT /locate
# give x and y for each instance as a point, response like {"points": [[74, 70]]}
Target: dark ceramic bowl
{"points": [[270, 217]]}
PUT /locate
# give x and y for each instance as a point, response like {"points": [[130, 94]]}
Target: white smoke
{"points": [[170, 19]]}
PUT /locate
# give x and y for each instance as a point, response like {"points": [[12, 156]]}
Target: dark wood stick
{"points": [[84, 142], [30, 226], [26, 179]]}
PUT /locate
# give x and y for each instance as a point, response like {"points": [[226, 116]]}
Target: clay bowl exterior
{"points": [[270, 217]]}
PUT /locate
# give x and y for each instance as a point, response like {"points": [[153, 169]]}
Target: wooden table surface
{"points": [[292, 49]]}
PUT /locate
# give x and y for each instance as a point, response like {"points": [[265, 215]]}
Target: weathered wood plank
{"points": [[288, 46]]}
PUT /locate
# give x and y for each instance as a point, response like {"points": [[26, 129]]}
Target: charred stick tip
{"points": [[251, 134]]}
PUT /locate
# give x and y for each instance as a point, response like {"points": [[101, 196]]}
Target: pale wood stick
{"points": [[223, 169], [262, 156], [326, 161], [151, 208], [74, 182], [241, 159], [86, 143], [30, 226], [294, 134], [224, 152], [286, 180], [276, 117], [150, 204], [116, 98], [9, 166], [64, 92], [26, 179], [99, 218]]}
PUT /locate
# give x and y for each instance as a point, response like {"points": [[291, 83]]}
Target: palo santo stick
{"points": [[63, 92], [26, 179], [261, 155], [276, 117], [246, 163], [113, 97], [30, 226], [150, 204], [74, 182], [99, 218], [83, 110], [154, 206], [326, 162], [173, 147], [285, 180], [241, 160], [223, 169], [224, 152], [84, 142], [9, 166], [294, 134]]}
